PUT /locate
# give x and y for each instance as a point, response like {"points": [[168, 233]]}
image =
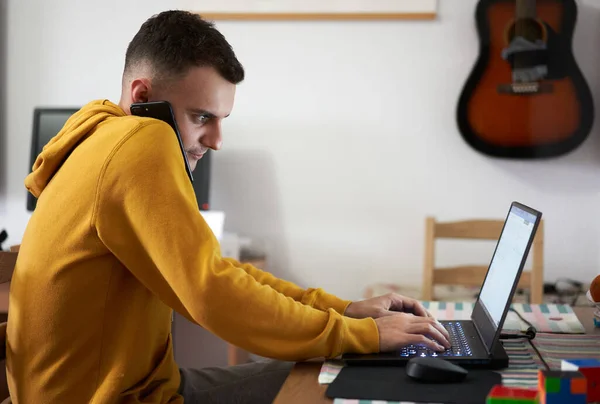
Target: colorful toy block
{"points": [[510, 395], [562, 387], [590, 368]]}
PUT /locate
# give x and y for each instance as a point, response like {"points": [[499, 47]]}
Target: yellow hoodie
{"points": [[116, 242]]}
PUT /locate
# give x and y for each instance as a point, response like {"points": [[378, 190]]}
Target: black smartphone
{"points": [[162, 110]]}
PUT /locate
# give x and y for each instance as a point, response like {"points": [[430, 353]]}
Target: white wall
{"points": [[343, 137], [3, 91]]}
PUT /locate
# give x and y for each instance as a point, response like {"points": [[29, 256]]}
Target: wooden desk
{"points": [[302, 385]]}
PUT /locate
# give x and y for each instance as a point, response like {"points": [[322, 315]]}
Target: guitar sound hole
{"points": [[524, 54], [527, 28]]}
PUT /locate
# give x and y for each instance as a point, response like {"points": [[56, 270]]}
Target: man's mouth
{"points": [[195, 156]]}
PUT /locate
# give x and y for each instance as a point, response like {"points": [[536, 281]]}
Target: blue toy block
{"points": [[582, 363]]}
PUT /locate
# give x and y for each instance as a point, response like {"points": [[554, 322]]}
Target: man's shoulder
{"points": [[141, 144], [134, 128], [134, 134]]}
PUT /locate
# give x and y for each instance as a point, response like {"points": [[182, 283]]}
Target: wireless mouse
{"points": [[434, 370]]}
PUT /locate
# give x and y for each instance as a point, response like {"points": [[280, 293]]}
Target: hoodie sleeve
{"points": [[147, 215], [317, 298]]}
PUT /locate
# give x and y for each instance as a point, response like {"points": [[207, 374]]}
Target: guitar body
{"points": [[548, 122]]}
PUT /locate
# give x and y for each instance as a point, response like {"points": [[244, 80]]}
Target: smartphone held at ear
{"points": [[162, 110]]}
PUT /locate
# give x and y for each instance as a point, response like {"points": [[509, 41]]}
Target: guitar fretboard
{"points": [[526, 9]]}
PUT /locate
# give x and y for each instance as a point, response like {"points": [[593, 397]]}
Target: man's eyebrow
{"points": [[204, 112]]}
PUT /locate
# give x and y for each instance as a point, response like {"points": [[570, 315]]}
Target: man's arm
{"points": [[317, 298], [146, 215]]}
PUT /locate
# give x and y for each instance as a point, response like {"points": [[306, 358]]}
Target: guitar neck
{"points": [[526, 9]]}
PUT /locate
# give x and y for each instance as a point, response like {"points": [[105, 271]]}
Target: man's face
{"points": [[200, 102]]}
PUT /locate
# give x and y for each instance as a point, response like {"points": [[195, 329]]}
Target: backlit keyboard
{"points": [[458, 340]]}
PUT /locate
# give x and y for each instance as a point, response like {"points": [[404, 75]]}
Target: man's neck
{"points": [[125, 105]]}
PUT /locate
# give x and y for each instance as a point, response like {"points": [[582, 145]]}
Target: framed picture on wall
{"points": [[318, 9]]}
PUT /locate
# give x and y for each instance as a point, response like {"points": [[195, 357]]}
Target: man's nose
{"points": [[213, 138]]}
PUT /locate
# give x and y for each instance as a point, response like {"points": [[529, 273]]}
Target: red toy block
{"points": [[590, 368], [502, 394]]}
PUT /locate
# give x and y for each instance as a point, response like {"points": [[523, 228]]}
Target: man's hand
{"points": [[401, 321], [401, 329], [386, 305]]}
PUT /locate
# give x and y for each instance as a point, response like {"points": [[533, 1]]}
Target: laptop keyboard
{"points": [[458, 340]]}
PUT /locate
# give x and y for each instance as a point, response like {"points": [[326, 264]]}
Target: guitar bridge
{"points": [[530, 88]]}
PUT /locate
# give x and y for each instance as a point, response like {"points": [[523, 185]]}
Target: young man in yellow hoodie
{"points": [[117, 242]]}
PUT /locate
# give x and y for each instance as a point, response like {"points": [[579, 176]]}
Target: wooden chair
{"points": [[7, 266], [473, 275]]}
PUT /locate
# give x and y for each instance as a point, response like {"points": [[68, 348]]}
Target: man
{"points": [[117, 242]]}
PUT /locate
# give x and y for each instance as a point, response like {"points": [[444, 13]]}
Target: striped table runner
{"points": [[524, 363], [555, 348], [550, 318]]}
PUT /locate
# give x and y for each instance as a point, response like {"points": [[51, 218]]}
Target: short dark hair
{"points": [[174, 41]]}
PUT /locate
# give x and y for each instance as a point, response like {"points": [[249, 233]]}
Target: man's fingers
{"points": [[431, 331], [415, 307], [440, 326], [423, 340], [442, 329], [443, 332], [431, 323], [396, 302], [386, 313], [407, 305]]}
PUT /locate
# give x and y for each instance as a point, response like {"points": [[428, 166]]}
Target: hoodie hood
{"points": [[76, 129]]}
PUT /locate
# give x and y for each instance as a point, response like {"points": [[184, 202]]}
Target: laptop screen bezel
{"points": [[482, 320]]}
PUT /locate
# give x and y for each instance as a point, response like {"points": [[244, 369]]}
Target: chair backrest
{"points": [[473, 275], [8, 261]]}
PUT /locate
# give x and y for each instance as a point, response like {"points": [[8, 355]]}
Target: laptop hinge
{"points": [[488, 351]]}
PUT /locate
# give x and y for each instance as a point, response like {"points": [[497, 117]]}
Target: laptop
{"points": [[475, 342]]}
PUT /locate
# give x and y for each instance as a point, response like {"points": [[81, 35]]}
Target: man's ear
{"points": [[141, 90]]}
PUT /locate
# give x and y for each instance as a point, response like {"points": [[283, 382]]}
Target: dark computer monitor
{"points": [[47, 122], [202, 180]]}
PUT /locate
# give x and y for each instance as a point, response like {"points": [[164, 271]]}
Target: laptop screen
{"points": [[507, 262]]}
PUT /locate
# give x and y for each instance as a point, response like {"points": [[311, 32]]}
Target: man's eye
{"points": [[203, 118]]}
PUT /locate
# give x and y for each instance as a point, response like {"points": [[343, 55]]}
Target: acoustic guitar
{"points": [[526, 96]]}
